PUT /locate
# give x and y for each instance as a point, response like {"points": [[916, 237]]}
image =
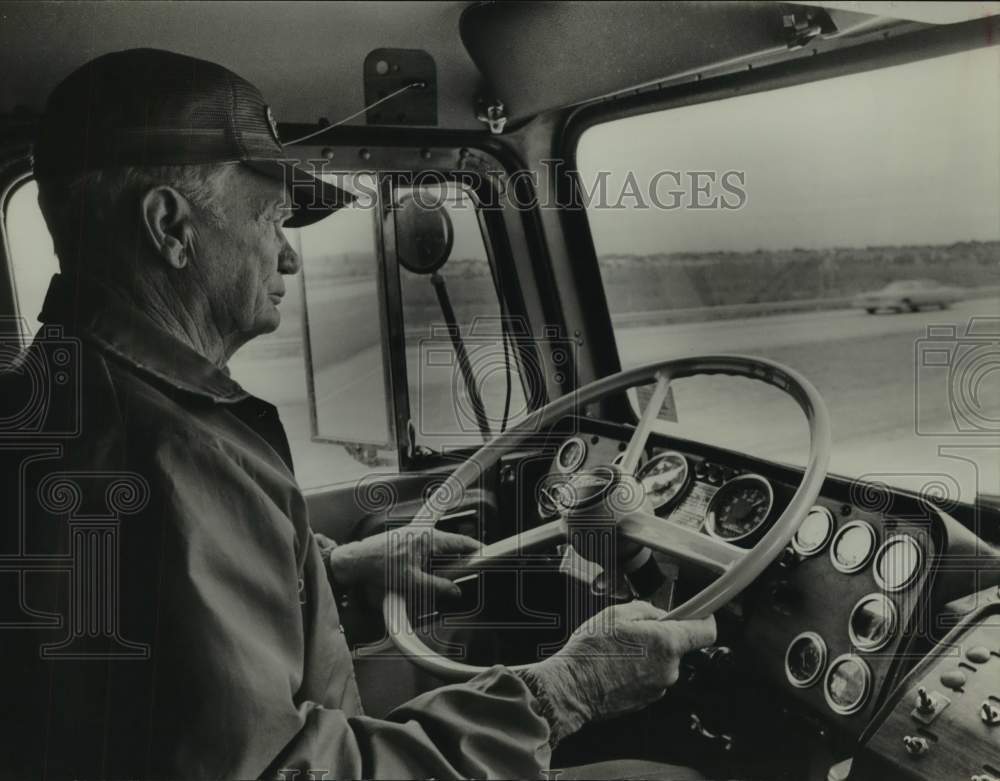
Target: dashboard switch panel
{"points": [[964, 737]]}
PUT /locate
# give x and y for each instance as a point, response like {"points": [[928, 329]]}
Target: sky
{"points": [[905, 155]]}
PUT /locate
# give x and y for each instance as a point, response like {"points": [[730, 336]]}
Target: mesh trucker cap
{"points": [[148, 107]]}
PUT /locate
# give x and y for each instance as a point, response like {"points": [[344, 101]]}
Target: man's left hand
{"points": [[398, 557]]}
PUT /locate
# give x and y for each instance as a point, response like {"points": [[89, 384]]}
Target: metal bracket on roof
{"points": [[801, 27], [493, 114], [400, 87]]}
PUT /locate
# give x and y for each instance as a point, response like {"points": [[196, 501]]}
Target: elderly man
{"points": [[215, 651]]}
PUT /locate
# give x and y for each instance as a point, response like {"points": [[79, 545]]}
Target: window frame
{"points": [[509, 298], [383, 324], [730, 81]]}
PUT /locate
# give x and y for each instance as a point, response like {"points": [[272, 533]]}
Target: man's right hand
{"points": [[619, 661]]}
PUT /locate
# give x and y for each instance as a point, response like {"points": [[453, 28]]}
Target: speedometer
{"points": [[739, 508], [664, 478]]}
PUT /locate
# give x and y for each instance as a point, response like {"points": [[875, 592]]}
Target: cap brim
{"points": [[312, 198]]}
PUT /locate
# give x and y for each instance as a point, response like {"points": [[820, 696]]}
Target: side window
{"points": [[443, 394], [342, 305], [33, 260]]}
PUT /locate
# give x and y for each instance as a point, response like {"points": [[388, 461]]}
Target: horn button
{"points": [[592, 501]]}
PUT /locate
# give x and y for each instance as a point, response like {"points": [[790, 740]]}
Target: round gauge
{"points": [[872, 623], [664, 478], [897, 562], [847, 684], [548, 497], [739, 508], [815, 532], [805, 659], [571, 455], [852, 547]]}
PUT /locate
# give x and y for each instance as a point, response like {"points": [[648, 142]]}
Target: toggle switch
{"points": [[989, 713]]}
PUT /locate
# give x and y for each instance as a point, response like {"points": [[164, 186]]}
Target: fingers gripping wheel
{"points": [[736, 567]]}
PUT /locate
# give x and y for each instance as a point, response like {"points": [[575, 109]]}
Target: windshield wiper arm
{"points": [[444, 301]]}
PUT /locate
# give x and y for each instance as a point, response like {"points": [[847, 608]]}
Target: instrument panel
{"points": [[829, 621], [720, 501], [837, 615]]}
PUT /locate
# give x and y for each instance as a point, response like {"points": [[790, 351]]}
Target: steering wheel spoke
{"points": [[510, 553], [659, 534], [633, 452]]}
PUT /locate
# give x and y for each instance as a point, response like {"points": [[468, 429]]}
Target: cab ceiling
{"points": [[307, 57]]}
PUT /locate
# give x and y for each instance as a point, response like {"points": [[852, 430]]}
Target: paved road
{"points": [[893, 416]]}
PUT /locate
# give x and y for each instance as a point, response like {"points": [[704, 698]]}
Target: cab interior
{"points": [[805, 153]]}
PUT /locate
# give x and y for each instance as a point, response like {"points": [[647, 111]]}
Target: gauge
{"points": [[548, 496], [571, 455], [897, 562], [805, 659], [873, 622], [664, 478], [847, 685], [853, 546], [739, 508], [815, 532]]}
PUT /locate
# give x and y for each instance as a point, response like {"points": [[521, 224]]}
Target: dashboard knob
{"points": [[989, 714], [916, 746], [953, 679], [789, 558]]}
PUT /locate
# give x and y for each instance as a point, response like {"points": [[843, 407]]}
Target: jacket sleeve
{"points": [[253, 677]]}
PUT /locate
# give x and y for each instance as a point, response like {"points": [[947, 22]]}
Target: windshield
{"points": [[764, 224]]}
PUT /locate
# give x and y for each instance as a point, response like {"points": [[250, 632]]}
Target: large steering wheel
{"points": [[636, 525]]}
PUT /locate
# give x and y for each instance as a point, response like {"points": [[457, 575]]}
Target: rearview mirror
{"points": [[424, 235]]}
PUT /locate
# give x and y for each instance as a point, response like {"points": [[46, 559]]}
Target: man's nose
{"points": [[288, 260]]}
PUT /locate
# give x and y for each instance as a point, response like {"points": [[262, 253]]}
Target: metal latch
{"points": [[493, 114], [800, 28]]}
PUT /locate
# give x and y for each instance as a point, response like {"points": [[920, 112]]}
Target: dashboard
{"points": [[828, 622]]}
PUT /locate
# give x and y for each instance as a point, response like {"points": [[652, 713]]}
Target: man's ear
{"points": [[166, 220]]}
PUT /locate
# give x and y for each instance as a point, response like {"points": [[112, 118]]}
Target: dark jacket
{"points": [[164, 609]]}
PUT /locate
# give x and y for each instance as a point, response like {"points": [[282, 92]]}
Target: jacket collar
{"points": [[105, 318]]}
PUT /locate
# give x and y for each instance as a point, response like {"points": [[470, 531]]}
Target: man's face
{"points": [[242, 259]]}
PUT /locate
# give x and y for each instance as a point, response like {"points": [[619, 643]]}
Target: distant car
{"points": [[909, 294]]}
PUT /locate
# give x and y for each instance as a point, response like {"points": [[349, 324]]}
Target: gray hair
{"points": [[91, 206]]}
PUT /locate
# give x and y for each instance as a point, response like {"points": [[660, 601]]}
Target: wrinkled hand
{"points": [[398, 557], [622, 659]]}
